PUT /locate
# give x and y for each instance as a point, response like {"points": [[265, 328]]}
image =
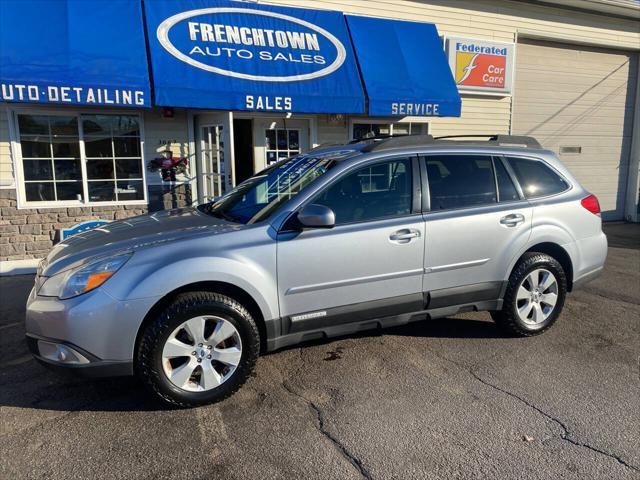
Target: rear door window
{"points": [[459, 181], [536, 178]]}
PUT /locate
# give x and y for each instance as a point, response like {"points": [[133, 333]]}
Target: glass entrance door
{"points": [[212, 160]]}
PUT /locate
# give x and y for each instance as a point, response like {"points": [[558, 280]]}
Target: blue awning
{"points": [[404, 68], [244, 56], [73, 52]]}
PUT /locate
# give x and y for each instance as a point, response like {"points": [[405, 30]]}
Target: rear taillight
{"points": [[591, 203]]}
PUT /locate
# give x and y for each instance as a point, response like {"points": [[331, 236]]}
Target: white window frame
{"points": [[16, 150], [277, 150], [388, 121], [207, 176]]}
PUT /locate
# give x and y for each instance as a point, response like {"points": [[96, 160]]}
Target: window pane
{"points": [[536, 178], [126, 125], [102, 191], [271, 157], [68, 170], [457, 181], [34, 124], [126, 146], [97, 124], [271, 139], [401, 128], [130, 190], [35, 147], [97, 147], [39, 192], [282, 139], [360, 130], [37, 170], [417, 128], [129, 168], [367, 130], [69, 190], [506, 189], [294, 141], [100, 169], [353, 200], [63, 125], [66, 147]]}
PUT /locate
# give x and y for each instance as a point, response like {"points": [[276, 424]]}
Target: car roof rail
{"points": [[374, 138], [383, 142], [499, 139]]}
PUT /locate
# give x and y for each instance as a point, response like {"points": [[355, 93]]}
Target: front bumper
{"points": [[62, 356], [93, 334]]}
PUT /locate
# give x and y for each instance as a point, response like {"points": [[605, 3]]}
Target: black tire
{"points": [[507, 318], [148, 363]]}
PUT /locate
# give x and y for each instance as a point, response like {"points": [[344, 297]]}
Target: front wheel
{"points": [[199, 350], [534, 297]]}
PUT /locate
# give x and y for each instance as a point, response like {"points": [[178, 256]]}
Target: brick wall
{"points": [[167, 197], [30, 233]]}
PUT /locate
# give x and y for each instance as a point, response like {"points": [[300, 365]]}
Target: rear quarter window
{"points": [[536, 178]]}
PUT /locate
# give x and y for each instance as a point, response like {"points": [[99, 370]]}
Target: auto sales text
{"points": [[254, 37]]}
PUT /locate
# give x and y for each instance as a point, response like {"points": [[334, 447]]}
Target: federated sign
{"points": [[481, 66], [230, 55]]}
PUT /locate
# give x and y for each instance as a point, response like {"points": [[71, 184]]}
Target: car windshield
{"points": [[258, 197]]}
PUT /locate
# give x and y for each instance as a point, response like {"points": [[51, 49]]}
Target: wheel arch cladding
{"points": [[224, 288]]}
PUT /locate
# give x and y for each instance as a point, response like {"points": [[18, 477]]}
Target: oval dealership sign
{"points": [[251, 44]]}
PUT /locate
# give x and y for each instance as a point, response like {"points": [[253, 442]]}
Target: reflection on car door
{"points": [[478, 221], [370, 264]]}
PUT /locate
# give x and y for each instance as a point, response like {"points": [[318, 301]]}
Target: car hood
{"points": [[132, 234]]}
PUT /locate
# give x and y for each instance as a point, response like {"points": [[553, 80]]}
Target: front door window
{"points": [[374, 192]]}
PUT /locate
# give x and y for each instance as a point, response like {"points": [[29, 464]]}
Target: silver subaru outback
{"points": [[340, 239]]}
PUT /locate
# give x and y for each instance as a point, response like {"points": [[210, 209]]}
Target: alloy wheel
{"points": [[537, 296], [202, 353]]}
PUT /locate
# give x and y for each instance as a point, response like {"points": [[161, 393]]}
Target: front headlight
{"points": [[82, 279]]}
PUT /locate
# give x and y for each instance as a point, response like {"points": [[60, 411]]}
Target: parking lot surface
{"points": [[450, 398]]}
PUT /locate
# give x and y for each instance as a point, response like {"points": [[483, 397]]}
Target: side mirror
{"points": [[317, 216]]}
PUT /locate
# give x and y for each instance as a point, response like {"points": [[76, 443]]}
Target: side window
{"points": [[536, 178], [506, 189], [369, 193], [458, 181]]}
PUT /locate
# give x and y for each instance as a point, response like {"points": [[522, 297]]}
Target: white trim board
{"points": [[18, 267]]}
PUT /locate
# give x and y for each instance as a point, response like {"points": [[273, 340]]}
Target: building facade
{"points": [[565, 72]]}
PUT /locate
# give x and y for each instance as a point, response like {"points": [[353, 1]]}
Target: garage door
{"points": [[578, 101]]}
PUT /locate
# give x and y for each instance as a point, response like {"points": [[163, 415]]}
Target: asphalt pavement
{"points": [[451, 399]]}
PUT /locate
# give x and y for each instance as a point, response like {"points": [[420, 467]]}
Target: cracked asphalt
{"points": [[450, 398]]}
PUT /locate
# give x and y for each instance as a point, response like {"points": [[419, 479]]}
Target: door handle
{"points": [[512, 220], [404, 235]]}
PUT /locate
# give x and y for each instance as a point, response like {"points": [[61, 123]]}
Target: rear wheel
{"points": [[199, 350], [534, 297]]}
